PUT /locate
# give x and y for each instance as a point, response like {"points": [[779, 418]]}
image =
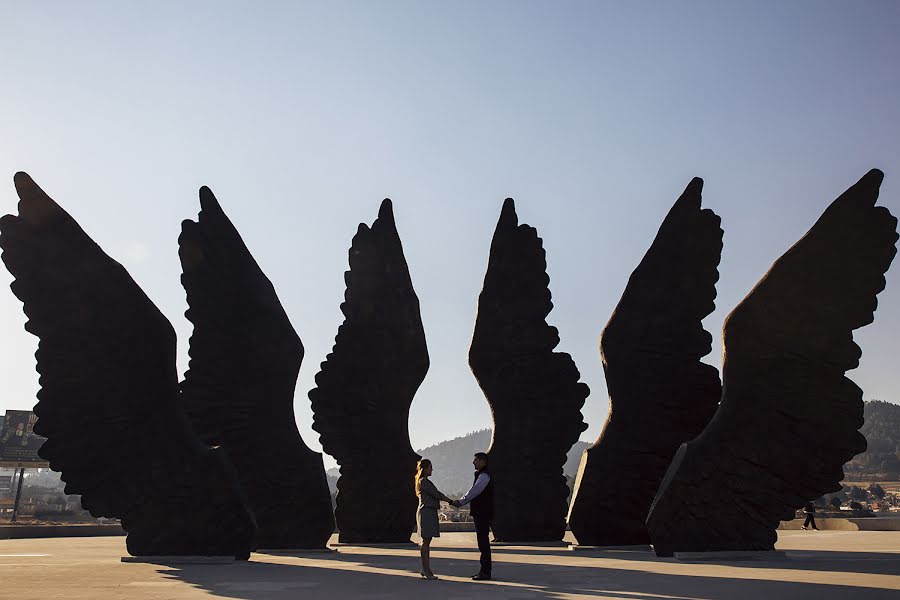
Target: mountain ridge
{"points": [[452, 458], [452, 461]]}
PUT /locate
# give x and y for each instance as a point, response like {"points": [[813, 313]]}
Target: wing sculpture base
{"points": [[534, 393], [661, 395], [239, 389], [164, 527], [380, 489], [299, 518], [789, 417], [366, 386]]}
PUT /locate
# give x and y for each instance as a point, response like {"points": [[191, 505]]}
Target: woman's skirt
{"points": [[427, 520]]}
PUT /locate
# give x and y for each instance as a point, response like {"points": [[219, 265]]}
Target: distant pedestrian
{"points": [[810, 511], [481, 495], [426, 517]]}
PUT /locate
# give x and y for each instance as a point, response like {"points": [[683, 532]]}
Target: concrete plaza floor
{"points": [[845, 565]]}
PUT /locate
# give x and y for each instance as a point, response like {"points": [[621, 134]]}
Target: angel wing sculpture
{"points": [[661, 394], [365, 388], [534, 392], [109, 404], [789, 417], [239, 389]]}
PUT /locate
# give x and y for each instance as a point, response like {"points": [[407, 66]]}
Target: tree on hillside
{"points": [[836, 502], [452, 460], [882, 430], [857, 493], [877, 491]]}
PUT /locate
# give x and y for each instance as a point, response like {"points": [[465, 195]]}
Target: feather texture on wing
{"points": [[366, 385], [661, 394], [239, 389], [109, 404], [534, 392], [789, 417]]}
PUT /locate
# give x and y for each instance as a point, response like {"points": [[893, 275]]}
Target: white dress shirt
{"points": [[477, 488]]}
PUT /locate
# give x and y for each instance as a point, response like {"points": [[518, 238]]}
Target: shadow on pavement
{"points": [[372, 576], [884, 563]]}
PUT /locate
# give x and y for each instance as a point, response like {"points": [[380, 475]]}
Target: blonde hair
{"points": [[420, 468]]}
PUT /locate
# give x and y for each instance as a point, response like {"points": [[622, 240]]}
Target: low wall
{"points": [[848, 524], [16, 532], [877, 524], [12, 532], [824, 524]]}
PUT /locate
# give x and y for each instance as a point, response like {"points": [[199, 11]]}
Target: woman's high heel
{"points": [[427, 575]]}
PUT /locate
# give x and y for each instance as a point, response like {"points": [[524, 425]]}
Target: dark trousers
{"points": [[482, 529], [810, 518]]}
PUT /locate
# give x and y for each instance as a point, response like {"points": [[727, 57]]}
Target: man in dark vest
{"points": [[482, 498]]}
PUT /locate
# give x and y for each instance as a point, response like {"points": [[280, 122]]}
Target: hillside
{"points": [[882, 458], [452, 461], [881, 461]]}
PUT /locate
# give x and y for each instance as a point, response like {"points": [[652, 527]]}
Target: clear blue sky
{"points": [[592, 115]]}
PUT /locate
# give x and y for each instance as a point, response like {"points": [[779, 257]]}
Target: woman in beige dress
{"points": [[426, 517]]}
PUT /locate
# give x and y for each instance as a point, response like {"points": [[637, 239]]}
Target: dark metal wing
{"points": [[366, 385], [789, 417], [660, 394], [534, 393], [109, 404], [239, 389]]}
